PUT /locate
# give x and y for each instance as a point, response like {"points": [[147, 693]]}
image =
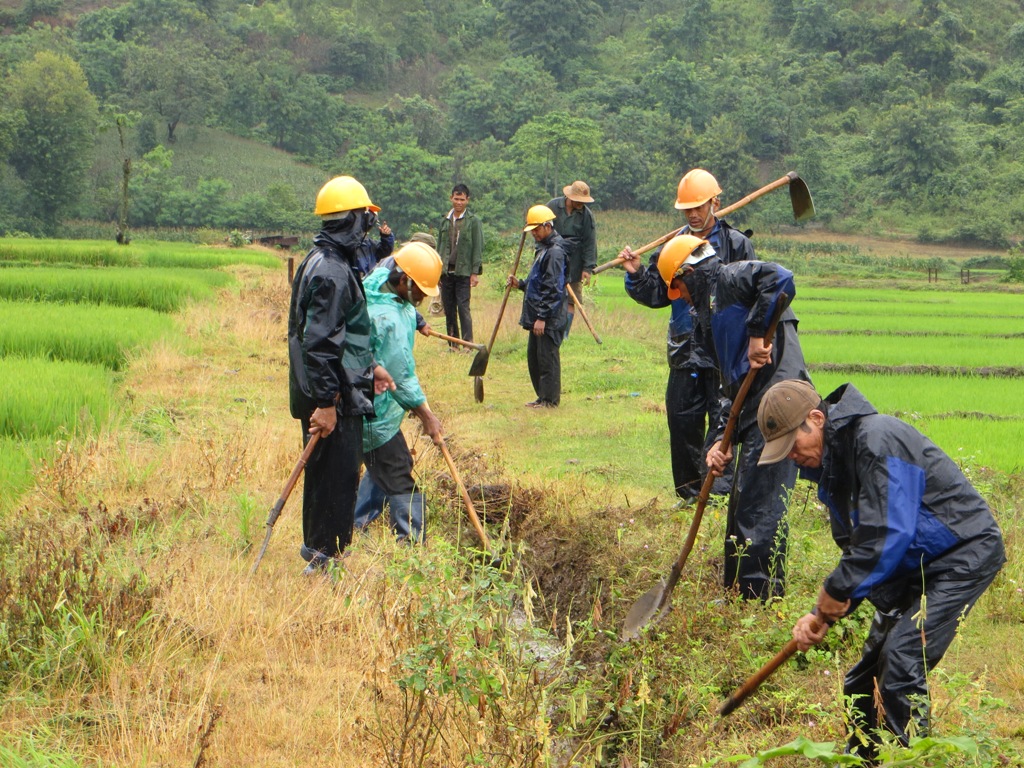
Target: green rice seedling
{"points": [[978, 442], [968, 396], [890, 350], [165, 290], [17, 459], [40, 397], [97, 253], [102, 335], [903, 302], [907, 325], [978, 420]]}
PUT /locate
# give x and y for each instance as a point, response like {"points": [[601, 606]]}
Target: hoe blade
{"points": [[800, 197], [479, 364], [645, 610]]}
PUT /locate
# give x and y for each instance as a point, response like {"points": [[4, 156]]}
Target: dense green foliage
{"points": [[898, 113]]}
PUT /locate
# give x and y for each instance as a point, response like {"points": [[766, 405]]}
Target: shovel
{"points": [[799, 197], [479, 364], [579, 308], [473, 518], [478, 382], [655, 602], [275, 511]]}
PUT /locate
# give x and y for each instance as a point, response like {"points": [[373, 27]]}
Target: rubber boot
{"points": [[407, 516], [369, 503]]}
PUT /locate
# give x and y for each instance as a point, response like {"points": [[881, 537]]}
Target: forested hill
{"points": [[902, 115]]}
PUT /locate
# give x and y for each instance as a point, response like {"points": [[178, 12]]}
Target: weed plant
{"points": [[164, 290], [102, 335]]}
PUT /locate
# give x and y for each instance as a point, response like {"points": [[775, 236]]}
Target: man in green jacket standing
{"points": [[460, 242], [392, 292], [575, 223]]}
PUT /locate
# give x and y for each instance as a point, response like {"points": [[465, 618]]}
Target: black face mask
{"points": [[369, 220], [348, 232]]}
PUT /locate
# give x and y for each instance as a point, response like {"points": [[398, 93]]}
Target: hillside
{"points": [[896, 113]]}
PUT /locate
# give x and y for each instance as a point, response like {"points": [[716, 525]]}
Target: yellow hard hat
{"points": [[681, 250], [537, 215], [342, 193], [696, 188], [422, 264]]}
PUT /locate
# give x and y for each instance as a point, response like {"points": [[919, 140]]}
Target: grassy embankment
{"points": [[151, 646]]}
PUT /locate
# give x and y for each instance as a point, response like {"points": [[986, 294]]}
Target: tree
{"points": [[54, 139], [177, 81], [912, 143], [410, 184], [554, 34], [557, 148]]}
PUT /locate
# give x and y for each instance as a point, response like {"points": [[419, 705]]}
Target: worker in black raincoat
{"points": [[544, 307], [918, 541], [692, 403], [732, 308], [332, 374]]}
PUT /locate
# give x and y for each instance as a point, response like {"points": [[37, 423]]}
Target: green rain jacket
{"points": [[391, 339], [468, 250]]}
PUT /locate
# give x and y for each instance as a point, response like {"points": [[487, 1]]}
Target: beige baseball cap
{"points": [[782, 410]]}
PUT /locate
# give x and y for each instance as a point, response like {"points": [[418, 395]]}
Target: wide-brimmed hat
{"points": [[578, 191], [782, 410]]}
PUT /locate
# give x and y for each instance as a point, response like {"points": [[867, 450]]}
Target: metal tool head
{"points": [[479, 365], [800, 197], [646, 609]]}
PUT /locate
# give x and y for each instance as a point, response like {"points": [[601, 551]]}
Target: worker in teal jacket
{"points": [[392, 292]]}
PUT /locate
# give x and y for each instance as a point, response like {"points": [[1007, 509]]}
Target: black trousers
{"points": [[692, 403], [896, 661], [544, 362], [330, 486], [390, 466], [455, 295], [756, 531]]}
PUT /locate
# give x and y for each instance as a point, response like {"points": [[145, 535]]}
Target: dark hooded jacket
{"points": [[329, 332], [901, 510], [371, 253], [545, 286], [646, 287], [731, 303]]}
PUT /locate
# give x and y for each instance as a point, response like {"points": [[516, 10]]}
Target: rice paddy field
{"points": [[948, 359], [72, 315]]}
